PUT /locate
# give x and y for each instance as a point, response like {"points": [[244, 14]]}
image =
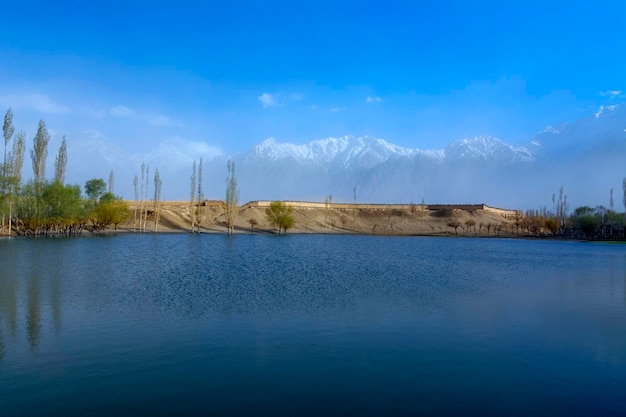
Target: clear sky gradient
{"points": [[219, 77]]}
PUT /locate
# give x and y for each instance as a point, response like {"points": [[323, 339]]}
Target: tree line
{"points": [[48, 206], [584, 222]]}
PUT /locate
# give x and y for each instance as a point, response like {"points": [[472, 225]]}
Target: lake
{"points": [[311, 325]]}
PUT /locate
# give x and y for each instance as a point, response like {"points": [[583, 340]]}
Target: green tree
{"points": [[39, 153], [95, 188], [110, 212], [280, 215], [60, 163], [7, 130]]}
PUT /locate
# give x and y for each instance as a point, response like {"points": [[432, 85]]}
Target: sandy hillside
{"points": [[175, 217]]}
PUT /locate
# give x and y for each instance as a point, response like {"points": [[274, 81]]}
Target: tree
{"points": [[95, 188], [328, 201], [16, 163], [110, 212], [470, 223], [562, 208], [39, 153], [200, 199], [60, 163], [111, 182], [280, 215], [587, 221], [192, 208], [232, 197], [7, 130], [145, 198], [135, 184], [253, 223], [157, 197], [455, 224], [354, 210]]}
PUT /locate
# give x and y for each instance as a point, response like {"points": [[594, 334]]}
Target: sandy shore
{"points": [[175, 218]]}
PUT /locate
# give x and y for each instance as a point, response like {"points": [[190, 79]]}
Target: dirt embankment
{"points": [[175, 217]]}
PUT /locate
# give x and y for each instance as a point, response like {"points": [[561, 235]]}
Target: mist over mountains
{"points": [[587, 157]]}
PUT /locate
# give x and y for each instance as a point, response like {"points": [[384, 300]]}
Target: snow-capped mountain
{"points": [[367, 152], [586, 156]]}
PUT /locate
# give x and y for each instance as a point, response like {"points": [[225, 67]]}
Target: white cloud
{"points": [[371, 99], [335, 109], [122, 111], [611, 93], [34, 101], [268, 100], [296, 96]]}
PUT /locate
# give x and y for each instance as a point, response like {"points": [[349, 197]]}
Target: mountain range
{"points": [[587, 157]]}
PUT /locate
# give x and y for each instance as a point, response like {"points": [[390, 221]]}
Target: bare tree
{"points": [[141, 194], [253, 223], [328, 201], [562, 208], [135, 183], [111, 182], [157, 197], [232, 197], [192, 208], [354, 209], [145, 197], [200, 199], [60, 163]]}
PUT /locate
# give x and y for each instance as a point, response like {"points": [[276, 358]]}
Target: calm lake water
{"points": [[311, 325]]}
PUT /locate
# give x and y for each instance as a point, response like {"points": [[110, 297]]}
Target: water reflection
{"points": [[30, 284]]}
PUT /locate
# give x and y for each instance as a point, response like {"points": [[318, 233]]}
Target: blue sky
{"points": [[218, 77]]}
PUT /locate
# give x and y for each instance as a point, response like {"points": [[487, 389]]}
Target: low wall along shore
{"points": [[507, 214]]}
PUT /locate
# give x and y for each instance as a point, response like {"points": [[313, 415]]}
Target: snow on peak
{"points": [[488, 148], [604, 109], [551, 129], [349, 152]]}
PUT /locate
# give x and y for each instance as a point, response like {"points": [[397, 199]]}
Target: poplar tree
{"points": [[135, 183], [39, 153], [7, 130], [192, 211], [143, 173], [145, 197], [17, 161], [111, 182], [38, 156], [232, 197], [157, 197], [60, 163], [200, 209]]}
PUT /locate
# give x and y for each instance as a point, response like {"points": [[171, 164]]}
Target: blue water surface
{"points": [[311, 325]]}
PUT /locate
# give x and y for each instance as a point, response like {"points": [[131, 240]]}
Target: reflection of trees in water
{"points": [[27, 281], [1, 345], [33, 312], [8, 306]]}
